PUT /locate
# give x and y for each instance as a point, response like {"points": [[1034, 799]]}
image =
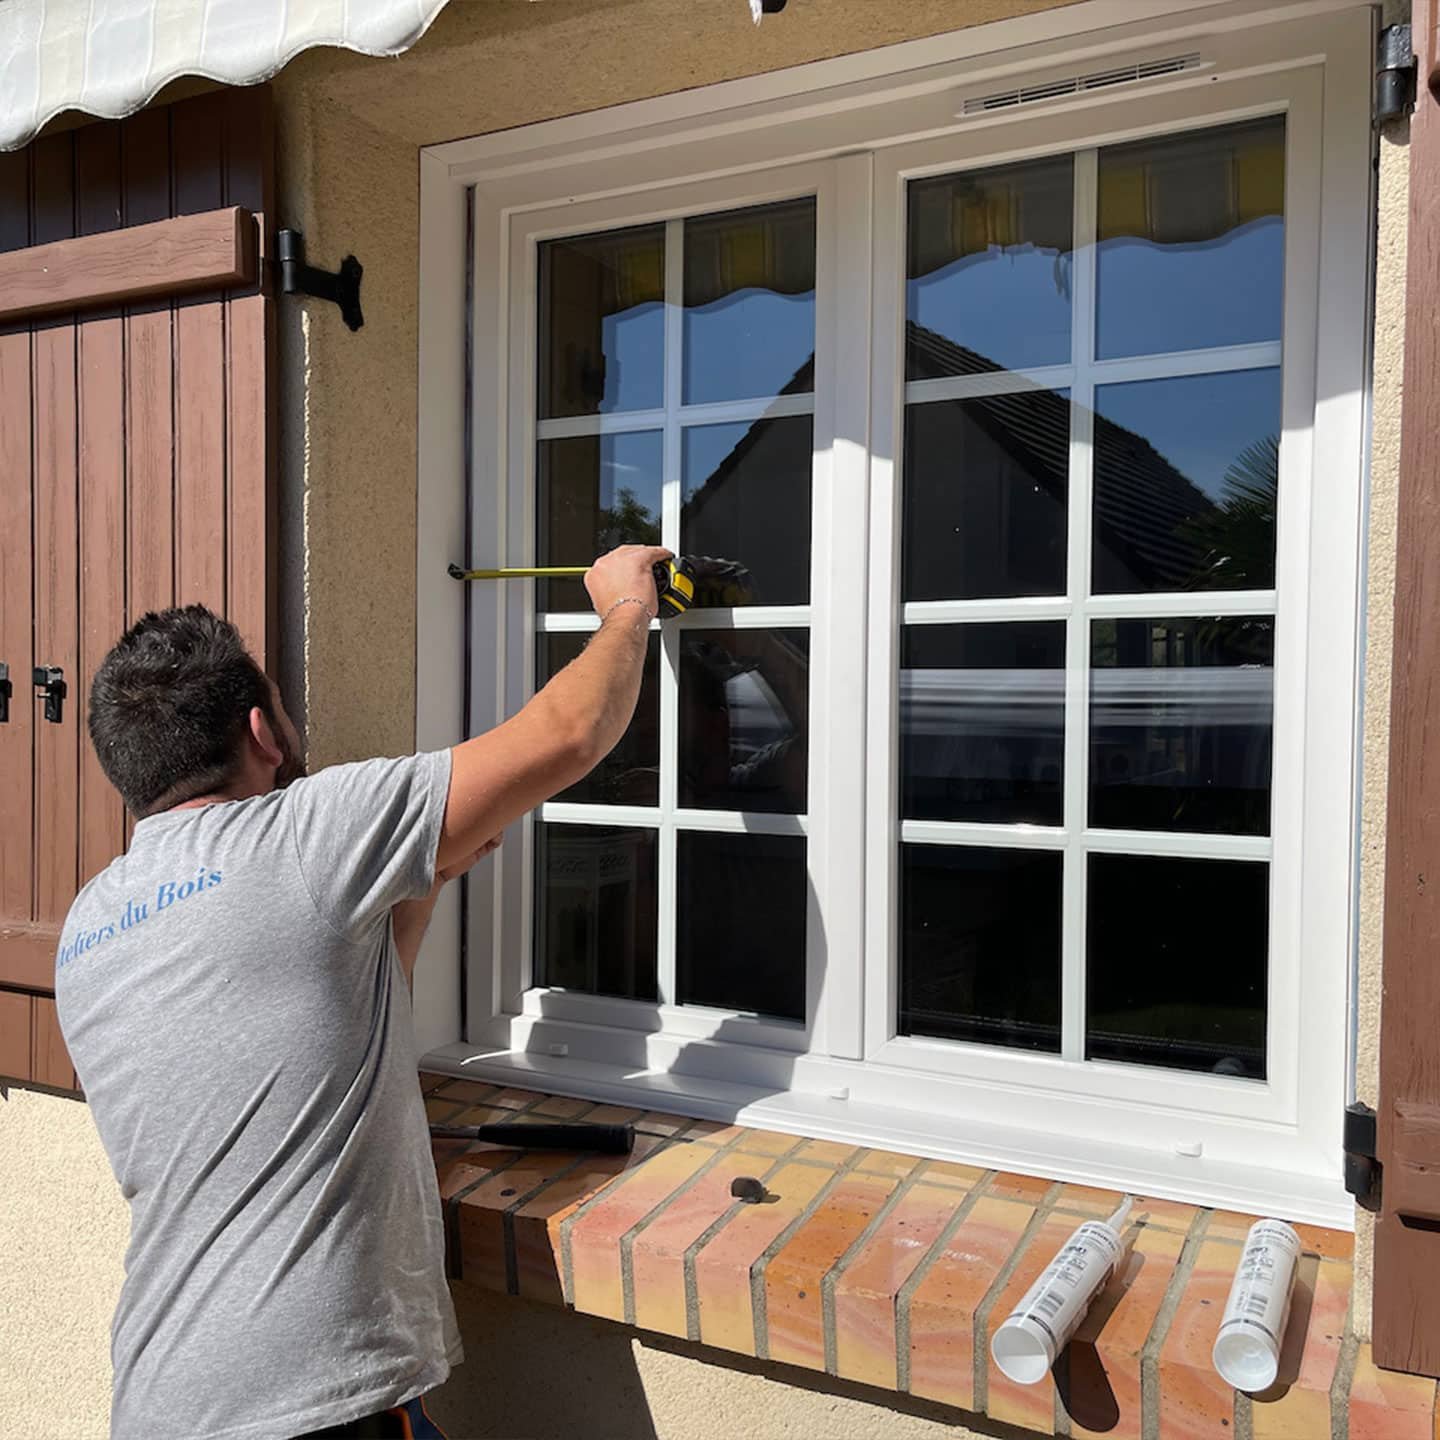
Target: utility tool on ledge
{"points": [[522, 1135], [674, 580]]}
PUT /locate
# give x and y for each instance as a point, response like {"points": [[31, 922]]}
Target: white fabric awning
{"points": [[109, 57]]}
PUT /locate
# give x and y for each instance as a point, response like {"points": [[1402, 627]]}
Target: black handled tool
{"points": [[674, 580], [519, 1135]]}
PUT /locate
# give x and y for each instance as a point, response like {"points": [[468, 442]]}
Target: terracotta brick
{"points": [[560, 1107], [594, 1237], [1102, 1365], [865, 1295], [1193, 1398], [886, 1162], [469, 1092], [614, 1115], [536, 1224], [657, 1254], [429, 1081], [1032, 1407], [481, 1115], [793, 1278], [482, 1211], [1228, 1225], [472, 1164], [661, 1122], [824, 1152], [440, 1111], [942, 1307], [1299, 1406], [1164, 1214], [946, 1172], [1029, 1188], [722, 1267], [1385, 1405], [1328, 1244], [515, 1099]]}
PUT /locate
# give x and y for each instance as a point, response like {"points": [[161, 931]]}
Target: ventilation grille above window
{"points": [[1081, 84]]}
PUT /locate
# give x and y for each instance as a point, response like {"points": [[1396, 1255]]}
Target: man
{"points": [[233, 991]]}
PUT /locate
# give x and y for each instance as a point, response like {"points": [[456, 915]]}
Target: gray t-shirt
{"points": [[232, 1001]]}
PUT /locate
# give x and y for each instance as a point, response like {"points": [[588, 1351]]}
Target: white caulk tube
{"points": [[1247, 1349], [1050, 1312]]}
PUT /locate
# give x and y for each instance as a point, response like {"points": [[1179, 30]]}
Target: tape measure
{"points": [[674, 580]]}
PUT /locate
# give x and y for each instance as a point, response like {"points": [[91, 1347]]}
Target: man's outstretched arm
{"points": [[570, 726]]}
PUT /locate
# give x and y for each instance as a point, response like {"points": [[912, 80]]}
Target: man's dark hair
{"points": [[170, 707]]}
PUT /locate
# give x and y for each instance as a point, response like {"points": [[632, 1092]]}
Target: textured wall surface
{"points": [[63, 1229]]}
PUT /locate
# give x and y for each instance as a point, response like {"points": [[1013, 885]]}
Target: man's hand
{"points": [[411, 918], [571, 725], [627, 573]]}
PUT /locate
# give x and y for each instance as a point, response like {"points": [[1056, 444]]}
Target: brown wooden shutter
{"points": [[137, 469], [1407, 1237]]}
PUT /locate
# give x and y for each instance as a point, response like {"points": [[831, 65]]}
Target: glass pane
{"points": [[740, 923], [596, 904], [602, 323], [989, 270], [1181, 715], [985, 486], [596, 492], [1176, 963], [746, 495], [744, 719], [1186, 477], [750, 303], [980, 945], [982, 722], [630, 773], [1192, 240]]}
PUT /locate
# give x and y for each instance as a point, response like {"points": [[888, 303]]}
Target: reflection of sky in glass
{"points": [[1153, 299], [634, 344], [632, 462], [705, 449], [1199, 423], [747, 345], [1011, 305]]}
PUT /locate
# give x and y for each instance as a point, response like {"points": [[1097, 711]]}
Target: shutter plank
{"points": [[102, 493], [15, 1035], [200, 500], [57, 752], [50, 1060], [17, 738]]}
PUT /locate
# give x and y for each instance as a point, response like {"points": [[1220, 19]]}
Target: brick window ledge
{"points": [[893, 1271]]}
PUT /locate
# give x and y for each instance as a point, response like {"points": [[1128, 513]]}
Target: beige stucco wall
{"points": [[349, 130]]}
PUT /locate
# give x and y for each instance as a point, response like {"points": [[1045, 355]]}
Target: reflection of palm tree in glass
{"points": [[1234, 540]]}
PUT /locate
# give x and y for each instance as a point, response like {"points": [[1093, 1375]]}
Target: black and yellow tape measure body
{"points": [[674, 580]]}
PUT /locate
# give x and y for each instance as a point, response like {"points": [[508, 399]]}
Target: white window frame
{"points": [[852, 132]]}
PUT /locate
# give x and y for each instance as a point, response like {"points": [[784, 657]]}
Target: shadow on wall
{"points": [[537, 1372]]}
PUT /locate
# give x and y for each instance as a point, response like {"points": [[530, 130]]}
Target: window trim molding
{"points": [[476, 188]]}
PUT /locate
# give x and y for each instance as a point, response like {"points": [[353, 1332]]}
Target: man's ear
{"points": [[263, 738]]}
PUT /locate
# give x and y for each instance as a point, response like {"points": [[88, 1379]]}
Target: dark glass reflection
{"points": [[602, 323], [746, 508], [744, 719], [984, 495], [596, 905], [982, 722], [749, 325], [1176, 963], [1186, 477], [1191, 240], [630, 773], [988, 272], [980, 945], [740, 923], [595, 492], [1181, 718]]}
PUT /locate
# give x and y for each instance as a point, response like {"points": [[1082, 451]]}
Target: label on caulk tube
{"points": [[1247, 1349], [1051, 1310]]}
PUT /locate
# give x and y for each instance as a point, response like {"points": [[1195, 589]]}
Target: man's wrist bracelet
{"points": [[629, 600]]}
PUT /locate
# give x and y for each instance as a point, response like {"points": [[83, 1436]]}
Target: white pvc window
{"points": [[995, 798]]}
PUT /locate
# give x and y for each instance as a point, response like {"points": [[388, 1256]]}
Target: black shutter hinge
{"points": [[6, 691], [341, 287], [1362, 1168], [1394, 73]]}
